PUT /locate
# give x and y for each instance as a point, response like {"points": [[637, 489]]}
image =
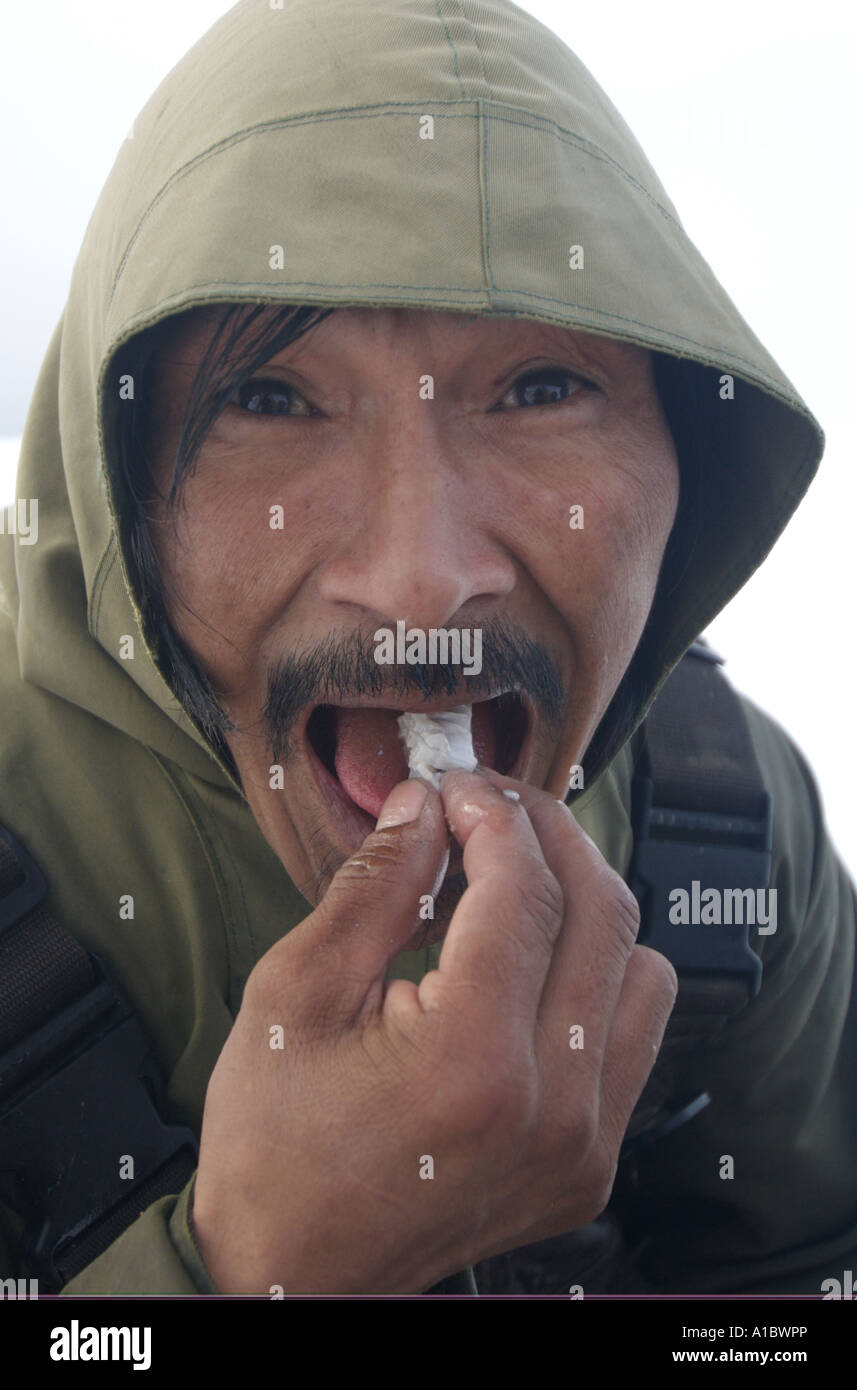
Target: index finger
{"points": [[501, 938]]}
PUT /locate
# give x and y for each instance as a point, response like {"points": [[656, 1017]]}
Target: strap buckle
{"points": [[694, 851]]}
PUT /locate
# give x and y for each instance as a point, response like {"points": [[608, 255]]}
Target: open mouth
{"points": [[359, 755]]}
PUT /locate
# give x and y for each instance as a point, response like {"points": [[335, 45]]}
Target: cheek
{"points": [[633, 506], [240, 542], [592, 528]]}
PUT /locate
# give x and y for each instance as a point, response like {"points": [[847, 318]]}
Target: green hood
{"points": [[300, 126]]}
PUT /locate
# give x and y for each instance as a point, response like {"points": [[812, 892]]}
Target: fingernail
{"points": [[403, 805]]}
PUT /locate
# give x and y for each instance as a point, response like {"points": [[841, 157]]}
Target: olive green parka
{"points": [[305, 127]]}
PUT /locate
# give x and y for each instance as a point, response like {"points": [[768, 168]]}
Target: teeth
{"points": [[436, 743]]}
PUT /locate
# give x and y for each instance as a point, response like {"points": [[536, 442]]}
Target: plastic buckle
{"points": [[27, 895], [695, 851]]}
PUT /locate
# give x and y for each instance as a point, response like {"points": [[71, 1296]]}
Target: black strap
{"points": [[701, 815], [42, 967], [79, 1089], [700, 754]]}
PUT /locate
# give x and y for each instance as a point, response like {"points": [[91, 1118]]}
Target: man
{"points": [[383, 323]]}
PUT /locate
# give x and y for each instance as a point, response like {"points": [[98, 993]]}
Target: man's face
{"points": [[445, 505]]}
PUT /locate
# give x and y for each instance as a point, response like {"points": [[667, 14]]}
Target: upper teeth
{"points": [[438, 742]]}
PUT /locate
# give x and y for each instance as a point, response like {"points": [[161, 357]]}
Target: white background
{"points": [[745, 108]]}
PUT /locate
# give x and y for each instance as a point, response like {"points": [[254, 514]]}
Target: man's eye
{"points": [[262, 397], [545, 386]]}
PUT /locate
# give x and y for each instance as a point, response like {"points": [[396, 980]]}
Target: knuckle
{"points": [[269, 997], [626, 913], [537, 896], [583, 1127], [594, 1164], [258, 991], [378, 862], [619, 913], [601, 1173], [600, 1193], [657, 978]]}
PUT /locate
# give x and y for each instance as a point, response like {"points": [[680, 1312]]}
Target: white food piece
{"points": [[437, 743]]}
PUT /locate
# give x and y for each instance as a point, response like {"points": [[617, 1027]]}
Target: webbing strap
{"points": [[76, 1070], [169, 1178], [42, 967], [702, 821], [701, 757]]}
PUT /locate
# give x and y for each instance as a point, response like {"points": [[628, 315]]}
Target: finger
{"points": [[502, 934], [335, 961], [585, 980], [646, 1001]]}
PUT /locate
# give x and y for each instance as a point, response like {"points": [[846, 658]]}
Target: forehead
{"points": [[379, 332]]}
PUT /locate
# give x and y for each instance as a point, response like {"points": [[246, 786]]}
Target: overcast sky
{"points": [[746, 110]]}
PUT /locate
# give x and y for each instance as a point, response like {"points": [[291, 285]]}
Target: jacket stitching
{"points": [[758, 374], [545, 126], [449, 40], [105, 565], [486, 197], [472, 35]]}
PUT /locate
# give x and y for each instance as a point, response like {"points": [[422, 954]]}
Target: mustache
{"points": [[339, 668]]}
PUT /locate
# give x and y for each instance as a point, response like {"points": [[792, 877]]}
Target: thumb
{"points": [[372, 906]]}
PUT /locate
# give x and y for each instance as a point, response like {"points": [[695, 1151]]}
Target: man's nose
{"points": [[421, 547]]}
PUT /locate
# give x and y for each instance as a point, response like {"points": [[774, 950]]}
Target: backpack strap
{"points": [[702, 819], [76, 1073]]}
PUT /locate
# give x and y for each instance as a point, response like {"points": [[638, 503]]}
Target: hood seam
{"points": [[472, 32], [484, 207], [102, 574], [451, 43], [541, 124], [263, 293]]}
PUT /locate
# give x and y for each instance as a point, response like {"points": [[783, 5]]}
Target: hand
{"points": [[311, 1155]]}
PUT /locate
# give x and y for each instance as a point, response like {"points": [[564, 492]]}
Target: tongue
{"points": [[370, 756]]}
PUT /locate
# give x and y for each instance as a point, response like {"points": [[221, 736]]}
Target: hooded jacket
{"points": [[300, 126]]}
